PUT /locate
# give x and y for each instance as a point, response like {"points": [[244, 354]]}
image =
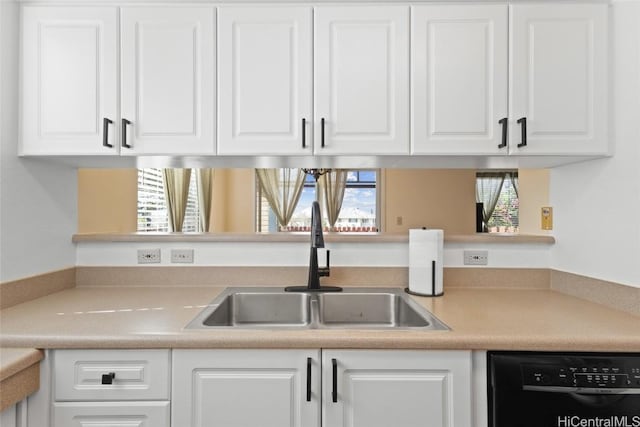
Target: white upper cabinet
{"points": [[558, 78], [168, 80], [265, 81], [459, 79], [361, 62], [69, 80], [359, 79], [557, 69]]}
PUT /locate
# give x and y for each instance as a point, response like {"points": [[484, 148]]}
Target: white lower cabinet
{"points": [[261, 388], [380, 388], [111, 414], [15, 415], [358, 388], [111, 388]]}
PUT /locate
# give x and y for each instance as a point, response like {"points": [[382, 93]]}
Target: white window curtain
{"points": [[176, 192], [331, 187], [513, 176], [204, 180], [488, 188], [282, 188]]}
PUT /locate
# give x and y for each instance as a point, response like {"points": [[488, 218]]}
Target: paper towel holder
{"points": [[433, 284]]}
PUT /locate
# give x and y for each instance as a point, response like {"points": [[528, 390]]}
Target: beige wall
{"points": [[234, 199], [533, 194], [107, 200], [433, 198], [218, 204]]}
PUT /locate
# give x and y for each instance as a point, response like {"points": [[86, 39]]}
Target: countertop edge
{"points": [[19, 374], [15, 359], [435, 341]]}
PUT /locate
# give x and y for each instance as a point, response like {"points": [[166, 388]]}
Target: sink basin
{"points": [[380, 310], [268, 309], [356, 308]]}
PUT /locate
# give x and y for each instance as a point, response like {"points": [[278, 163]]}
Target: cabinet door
{"points": [[265, 80], [396, 388], [168, 79], [558, 72], [459, 78], [250, 388], [111, 414], [69, 80], [9, 417], [361, 63]]}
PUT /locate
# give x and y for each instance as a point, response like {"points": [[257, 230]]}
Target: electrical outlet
{"points": [[398, 220], [476, 257], [184, 256], [148, 256]]}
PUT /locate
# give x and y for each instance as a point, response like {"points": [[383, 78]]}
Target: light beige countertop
{"points": [[154, 317], [19, 374]]}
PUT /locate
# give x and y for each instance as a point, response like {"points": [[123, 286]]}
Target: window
{"points": [[152, 207], [501, 188], [359, 206], [359, 210]]}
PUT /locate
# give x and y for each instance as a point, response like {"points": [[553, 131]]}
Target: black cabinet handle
{"points": [[334, 392], [107, 379], [304, 133], [503, 122], [105, 132], [125, 122], [322, 132], [523, 127], [308, 379]]}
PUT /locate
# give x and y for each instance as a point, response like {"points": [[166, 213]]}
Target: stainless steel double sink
{"points": [[355, 308]]}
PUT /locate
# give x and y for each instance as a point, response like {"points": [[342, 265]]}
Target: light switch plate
{"points": [[546, 214]]}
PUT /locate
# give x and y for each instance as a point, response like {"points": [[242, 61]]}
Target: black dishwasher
{"points": [[544, 389]]}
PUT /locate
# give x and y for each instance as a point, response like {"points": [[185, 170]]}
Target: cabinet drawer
{"points": [[88, 414], [138, 375]]}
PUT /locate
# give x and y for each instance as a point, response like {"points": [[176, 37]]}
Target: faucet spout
{"points": [[317, 238], [315, 272]]}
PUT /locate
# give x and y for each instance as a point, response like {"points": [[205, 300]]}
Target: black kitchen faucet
{"points": [[315, 272]]}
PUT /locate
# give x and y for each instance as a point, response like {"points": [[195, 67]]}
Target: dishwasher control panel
{"points": [[621, 375]]}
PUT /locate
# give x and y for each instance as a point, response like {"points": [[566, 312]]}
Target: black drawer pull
{"points": [[304, 133], [322, 132], [523, 127], [125, 122], [107, 379], [308, 379], [105, 132], [334, 392], [503, 122]]}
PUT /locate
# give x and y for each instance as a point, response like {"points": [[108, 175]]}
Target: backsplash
{"points": [[291, 254]]}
